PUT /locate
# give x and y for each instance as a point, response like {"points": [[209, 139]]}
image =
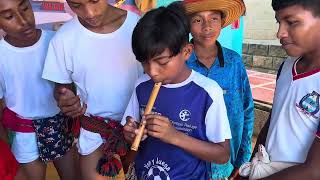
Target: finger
{"points": [[72, 109], [154, 134], [131, 122], [156, 116], [154, 128], [68, 101]]}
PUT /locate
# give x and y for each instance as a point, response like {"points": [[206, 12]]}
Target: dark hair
{"points": [[159, 29], [312, 5]]}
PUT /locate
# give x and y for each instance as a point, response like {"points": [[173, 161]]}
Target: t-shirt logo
{"points": [[184, 115], [157, 173], [309, 104]]}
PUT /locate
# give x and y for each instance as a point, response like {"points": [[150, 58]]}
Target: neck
{"points": [[23, 42], [185, 73], [311, 60], [112, 21], [206, 54]]}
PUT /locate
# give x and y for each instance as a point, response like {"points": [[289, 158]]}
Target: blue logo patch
{"points": [[309, 104]]}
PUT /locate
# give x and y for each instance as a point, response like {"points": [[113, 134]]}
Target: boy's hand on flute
{"points": [[130, 130], [161, 127]]}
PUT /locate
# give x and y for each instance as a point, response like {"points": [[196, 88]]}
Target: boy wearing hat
{"points": [[207, 18], [292, 135]]}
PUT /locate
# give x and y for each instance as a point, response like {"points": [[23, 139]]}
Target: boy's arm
{"points": [[308, 170], [161, 127], [244, 153], [218, 153], [262, 137]]}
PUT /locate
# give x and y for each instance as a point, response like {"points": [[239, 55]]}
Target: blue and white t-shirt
{"points": [[195, 107]]}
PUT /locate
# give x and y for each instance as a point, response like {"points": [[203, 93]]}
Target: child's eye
{"points": [[75, 5], [163, 62], [95, 1], [196, 21], [7, 16], [292, 23]]}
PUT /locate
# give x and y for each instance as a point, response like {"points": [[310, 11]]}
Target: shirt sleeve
{"points": [[217, 123], [132, 109], [244, 152], [57, 67]]}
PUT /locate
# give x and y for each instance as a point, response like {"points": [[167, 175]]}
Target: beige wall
{"points": [[260, 24]]}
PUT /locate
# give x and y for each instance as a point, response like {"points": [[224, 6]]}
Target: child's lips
{"points": [[28, 31]]}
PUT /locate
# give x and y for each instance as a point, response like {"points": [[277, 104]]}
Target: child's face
{"points": [[206, 27], [92, 12], [298, 30], [166, 69], [17, 19]]}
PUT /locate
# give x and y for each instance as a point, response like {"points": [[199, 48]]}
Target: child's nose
{"points": [[282, 32]]}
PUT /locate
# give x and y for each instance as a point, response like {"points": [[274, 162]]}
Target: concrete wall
{"points": [[259, 23]]}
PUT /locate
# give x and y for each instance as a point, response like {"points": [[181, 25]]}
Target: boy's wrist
{"points": [[176, 138]]}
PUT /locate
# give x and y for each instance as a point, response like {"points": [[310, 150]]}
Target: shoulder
{"points": [[48, 35], [143, 78], [67, 30], [230, 56], [133, 16], [209, 85], [131, 20]]}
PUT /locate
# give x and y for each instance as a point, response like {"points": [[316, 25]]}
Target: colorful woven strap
{"points": [[112, 132]]}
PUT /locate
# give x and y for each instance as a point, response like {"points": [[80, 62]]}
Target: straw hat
{"points": [[231, 9]]}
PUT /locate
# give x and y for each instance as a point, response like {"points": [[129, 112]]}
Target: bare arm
{"points": [[208, 151], [161, 127], [308, 170]]}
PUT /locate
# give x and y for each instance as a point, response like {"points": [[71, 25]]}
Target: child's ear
{"points": [[187, 50]]}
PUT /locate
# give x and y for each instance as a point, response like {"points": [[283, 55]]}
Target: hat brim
{"points": [[231, 9]]}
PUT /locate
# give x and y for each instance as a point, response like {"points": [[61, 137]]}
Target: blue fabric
{"points": [[233, 79], [54, 136]]}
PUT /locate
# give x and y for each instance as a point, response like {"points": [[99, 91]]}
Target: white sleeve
{"points": [[57, 67], [132, 109], [217, 123]]}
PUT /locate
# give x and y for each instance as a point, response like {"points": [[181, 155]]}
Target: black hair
{"points": [[159, 29], [312, 5]]}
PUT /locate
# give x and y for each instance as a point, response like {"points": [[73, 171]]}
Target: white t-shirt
{"points": [[295, 114], [25, 92], [21, 85], [102, 66]]}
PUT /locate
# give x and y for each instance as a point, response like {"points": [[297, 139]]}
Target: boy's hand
{"points": [[160, 127], [130, 130], [69, 103]]}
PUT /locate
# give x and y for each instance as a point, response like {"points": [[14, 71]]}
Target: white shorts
{"points": [[24, 147], [88, 142]]}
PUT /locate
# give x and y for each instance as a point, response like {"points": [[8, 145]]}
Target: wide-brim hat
{"points": [[231, 9]]}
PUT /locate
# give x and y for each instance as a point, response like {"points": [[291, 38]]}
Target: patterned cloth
{"points": [[229, 72], [112, 132], [54, 136]]}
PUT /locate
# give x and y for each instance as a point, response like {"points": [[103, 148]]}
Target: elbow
{"points": [[222, 158]]}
